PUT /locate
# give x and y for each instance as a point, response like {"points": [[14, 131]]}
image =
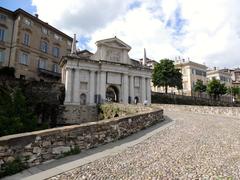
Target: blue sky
{"points": [[166, 28], [15, 4]]}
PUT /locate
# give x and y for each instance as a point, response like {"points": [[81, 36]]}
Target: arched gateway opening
{"points": [[112, 94]]}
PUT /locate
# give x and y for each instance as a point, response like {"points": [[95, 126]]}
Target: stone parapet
{"points": [[40, 146], [214, 110]]}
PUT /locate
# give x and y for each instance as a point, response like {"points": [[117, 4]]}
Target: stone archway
{"points": [[112, 94]]}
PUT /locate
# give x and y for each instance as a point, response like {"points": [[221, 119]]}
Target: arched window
{"points": [[83, 99]]}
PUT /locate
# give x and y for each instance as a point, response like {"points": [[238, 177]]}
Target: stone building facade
{"points": [[107, 75], [33, 47], [235, 76], [223, 75]]}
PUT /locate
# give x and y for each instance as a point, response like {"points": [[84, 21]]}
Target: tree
{"points": [[215, 89], [199, 87], [15, 117], [165, 74], [235, 91]]}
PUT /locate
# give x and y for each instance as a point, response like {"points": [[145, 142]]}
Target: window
{"points": [[44, 31], [193, 84], [223, 78], [55, 51], [2, 55], [69, 43], [3, 17], [26, 39], [44, 46], [57, 37], [55, 68], [24, 58], [2, 32], [193, 71], [42, 63]]}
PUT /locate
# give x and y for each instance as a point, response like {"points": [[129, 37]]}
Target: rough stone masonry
{"points": [[39, 146]]}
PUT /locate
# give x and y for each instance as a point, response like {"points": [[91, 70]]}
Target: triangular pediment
{"points": [[114, 42]]}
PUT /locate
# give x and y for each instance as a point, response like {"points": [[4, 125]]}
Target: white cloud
{"points": [[206, 31]]}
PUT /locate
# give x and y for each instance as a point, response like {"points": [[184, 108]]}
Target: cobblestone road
{"points": [[195, 147]]}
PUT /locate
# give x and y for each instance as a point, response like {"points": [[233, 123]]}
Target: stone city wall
{"points": [[76, 114], [39, 146], [215, 110]]}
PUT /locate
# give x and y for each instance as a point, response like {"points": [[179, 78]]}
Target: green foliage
{"points": [[215, 88], [165, 74], [12, 167], [161, 98], [200, 87], [15, 117], [111, 110], [72, 151], [235, 91], [108, 111]]}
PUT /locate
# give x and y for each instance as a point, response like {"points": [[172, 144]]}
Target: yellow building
{"points": [[33, 47], [223, 75], [191, 72]]}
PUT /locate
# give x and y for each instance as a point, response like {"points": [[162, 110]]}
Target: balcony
{"points": [[48, 74]]}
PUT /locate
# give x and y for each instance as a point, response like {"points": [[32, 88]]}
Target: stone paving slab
{"points": [[197, 146]]}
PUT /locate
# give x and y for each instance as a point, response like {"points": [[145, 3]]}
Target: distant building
{"points": [[107, 75], [191, 72], [223, 75], [235, 74], [33, 47]]}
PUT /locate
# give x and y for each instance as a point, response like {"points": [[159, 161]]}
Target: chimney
{"points": [[73, 50], [36, 15], [144, 57]]}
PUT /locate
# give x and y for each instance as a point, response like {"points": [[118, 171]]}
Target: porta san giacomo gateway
{"points": [[107, 75]]}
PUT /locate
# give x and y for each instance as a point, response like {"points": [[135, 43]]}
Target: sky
{"points": [[203, 31]]}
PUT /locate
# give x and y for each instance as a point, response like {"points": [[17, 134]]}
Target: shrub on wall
{"points": [[111, 110], [15, 117], [187, 100], [12, 167]]}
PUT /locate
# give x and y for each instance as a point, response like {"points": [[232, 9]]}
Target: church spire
{"points": [[144, 57], [73, 50]]}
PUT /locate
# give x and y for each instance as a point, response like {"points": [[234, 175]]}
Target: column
{"points": [[92, 87], [68, 86], [125, 88], [149, 90], [132, 89], [76, 87], [63, 75], [102, 86], [143, 89]]}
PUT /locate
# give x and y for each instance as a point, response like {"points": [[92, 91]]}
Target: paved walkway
{"points": [[193, 146], [196, 146]]}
